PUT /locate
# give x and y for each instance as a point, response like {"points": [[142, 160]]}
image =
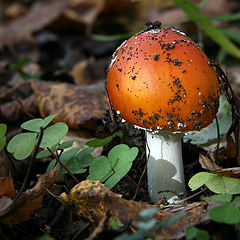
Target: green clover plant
{"points": [[22, 145], [228, 212], [3, 129], [216, 183]]}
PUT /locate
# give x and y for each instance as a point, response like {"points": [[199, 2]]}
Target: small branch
{"points": [[23, 107], [138, 187], [12, 90], [62, 165], [194, 195], [100, 227], [218, 136]]}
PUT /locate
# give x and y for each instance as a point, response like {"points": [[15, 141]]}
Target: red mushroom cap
{"points": [[161, 80]]}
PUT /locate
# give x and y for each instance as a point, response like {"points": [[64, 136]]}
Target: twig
{"points": [[137, 186], [62, 165], [12, 90], [23, 107], [144, 170], [195, 194], [80, 231], [218, 136], [140, 179], [100, 227]]}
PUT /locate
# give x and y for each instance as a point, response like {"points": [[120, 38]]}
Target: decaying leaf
{"points": [[229, 172], [81, 74], [208, 162], [31, 199], [6, 187], [38, 17], [92, 201], [88, 199], [73, 105]]}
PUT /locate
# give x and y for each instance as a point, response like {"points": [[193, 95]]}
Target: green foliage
{"points": [[101, 142], [171, 220], [236, 201], [18, 68], [53, 134], [22, 145], [148, 212], [34, 125], [220, 198], [45, 237], [216, 183], [226, 213], [109, 170], [74, 160], [3, 129], [210, 133], [57, 146], [113, 168], [194, 233], [115, 223], [193, 12], [66, 144]]}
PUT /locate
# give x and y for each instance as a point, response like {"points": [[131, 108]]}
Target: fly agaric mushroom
{"points": [[161, 81]]}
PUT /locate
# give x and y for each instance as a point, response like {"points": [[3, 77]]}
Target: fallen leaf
{"points": [[81, 74], [40, 15], [75, 106], [5, 203], [6, 187], [31, 199], [88, 199], [208, 162], [229, 172], [128, 210], [92, 201]]}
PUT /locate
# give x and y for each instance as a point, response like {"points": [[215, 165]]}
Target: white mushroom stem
{"points": [[165, 165]]}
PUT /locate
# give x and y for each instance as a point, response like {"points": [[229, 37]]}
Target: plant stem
{"points": [[55, 156]]}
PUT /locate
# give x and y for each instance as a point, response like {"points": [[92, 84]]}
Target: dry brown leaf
{"points": [[128, 210], [5, 166], [73, 105], [40, 15], [229, 172], [92, 201], [6, 187], [208, 162], [81, 74], [88, 199], [31, 199]]}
